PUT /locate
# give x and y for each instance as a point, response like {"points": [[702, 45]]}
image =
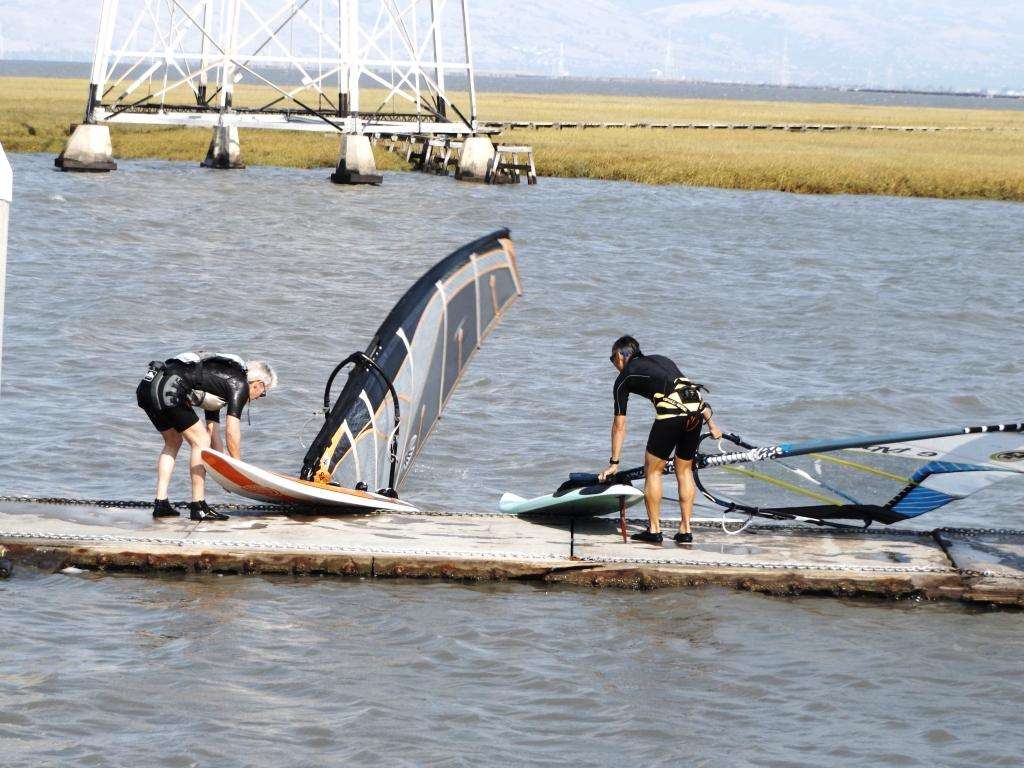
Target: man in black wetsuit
{"points": [[679, 415], [168, 394]]}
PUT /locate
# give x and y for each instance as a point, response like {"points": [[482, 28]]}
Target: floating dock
{"points": [[971, 565]]}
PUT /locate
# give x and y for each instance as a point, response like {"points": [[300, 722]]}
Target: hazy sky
{"points": [[916, 43]]}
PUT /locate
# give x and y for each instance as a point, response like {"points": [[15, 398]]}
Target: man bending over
{"points": [[169, 394], [679, 414]]}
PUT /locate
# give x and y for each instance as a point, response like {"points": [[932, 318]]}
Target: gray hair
{"points": [[260, 370]]}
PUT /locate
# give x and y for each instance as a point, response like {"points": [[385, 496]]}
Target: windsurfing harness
{"points": [[176, 382], [685, 399], [421, 349], [881, 478]]}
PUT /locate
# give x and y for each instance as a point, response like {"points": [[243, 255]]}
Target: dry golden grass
{"points": [[976, 165], [35, 113], [613, 109]]}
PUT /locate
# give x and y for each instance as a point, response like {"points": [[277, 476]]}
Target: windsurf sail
{"points": [[881, 478], [419, 352]]}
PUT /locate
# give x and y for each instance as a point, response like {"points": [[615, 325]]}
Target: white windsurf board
{"points": [[252, 482]]}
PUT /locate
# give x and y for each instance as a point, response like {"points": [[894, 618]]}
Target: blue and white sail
{"points": [[881, 478]]}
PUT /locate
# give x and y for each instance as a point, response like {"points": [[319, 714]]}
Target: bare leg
{"points": [[653, 481], [213, 430], [165, 462], [198, 438], [687, 492]]}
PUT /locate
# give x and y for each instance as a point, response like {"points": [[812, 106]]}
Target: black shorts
{"points": [[669, 435], [180, 417]]}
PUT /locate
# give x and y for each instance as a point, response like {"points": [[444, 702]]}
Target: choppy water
{"points": [[806, 316], [246, 671]]}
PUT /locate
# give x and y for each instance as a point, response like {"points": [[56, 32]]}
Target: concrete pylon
{"points": [[225, 152], [475, 160], [355, 163], [88, 149]]}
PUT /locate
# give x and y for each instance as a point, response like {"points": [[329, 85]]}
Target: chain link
{"points": [[782, 529], [276, 546], [981, 531], [63, 501], [534, 556], [462, 554], [136, 504], [796, 530]]}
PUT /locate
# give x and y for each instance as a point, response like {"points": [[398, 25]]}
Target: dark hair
{"points": [[627, 346]]}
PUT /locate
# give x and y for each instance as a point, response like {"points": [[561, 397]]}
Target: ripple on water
{"points": [[805, 316]]}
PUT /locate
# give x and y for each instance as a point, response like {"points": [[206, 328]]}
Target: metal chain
{"points": [[782, 529], [790, 528], [121, 503], [273, 546], [775, 529], [981, 531], [135, 504], [532, 556]]}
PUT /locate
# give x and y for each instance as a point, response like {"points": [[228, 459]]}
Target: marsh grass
{"points": [[35, 114]]}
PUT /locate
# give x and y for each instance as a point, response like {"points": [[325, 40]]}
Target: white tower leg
{"points": [[225, 152], [89, 147], [475, 160], [435, 23], [356, 164]]}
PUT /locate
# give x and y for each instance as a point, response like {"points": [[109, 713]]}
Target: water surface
{"points": [[806, 316]]}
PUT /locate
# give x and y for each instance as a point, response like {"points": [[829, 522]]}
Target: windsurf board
{"points": [[588, 501], [252, 482]]}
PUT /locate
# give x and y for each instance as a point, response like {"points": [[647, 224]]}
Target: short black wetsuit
{"points": [[656, 378], [222, 379]]}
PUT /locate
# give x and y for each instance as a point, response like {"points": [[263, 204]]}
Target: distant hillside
{"points": [[957, 44]]}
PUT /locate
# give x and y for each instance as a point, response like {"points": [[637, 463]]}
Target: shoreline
{"points": [[985, 162]]}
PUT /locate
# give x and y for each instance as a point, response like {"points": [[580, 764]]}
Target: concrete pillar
{"points": [[356, 164], [88, 149], [475, 160], [6, 196], [225, 151]]}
